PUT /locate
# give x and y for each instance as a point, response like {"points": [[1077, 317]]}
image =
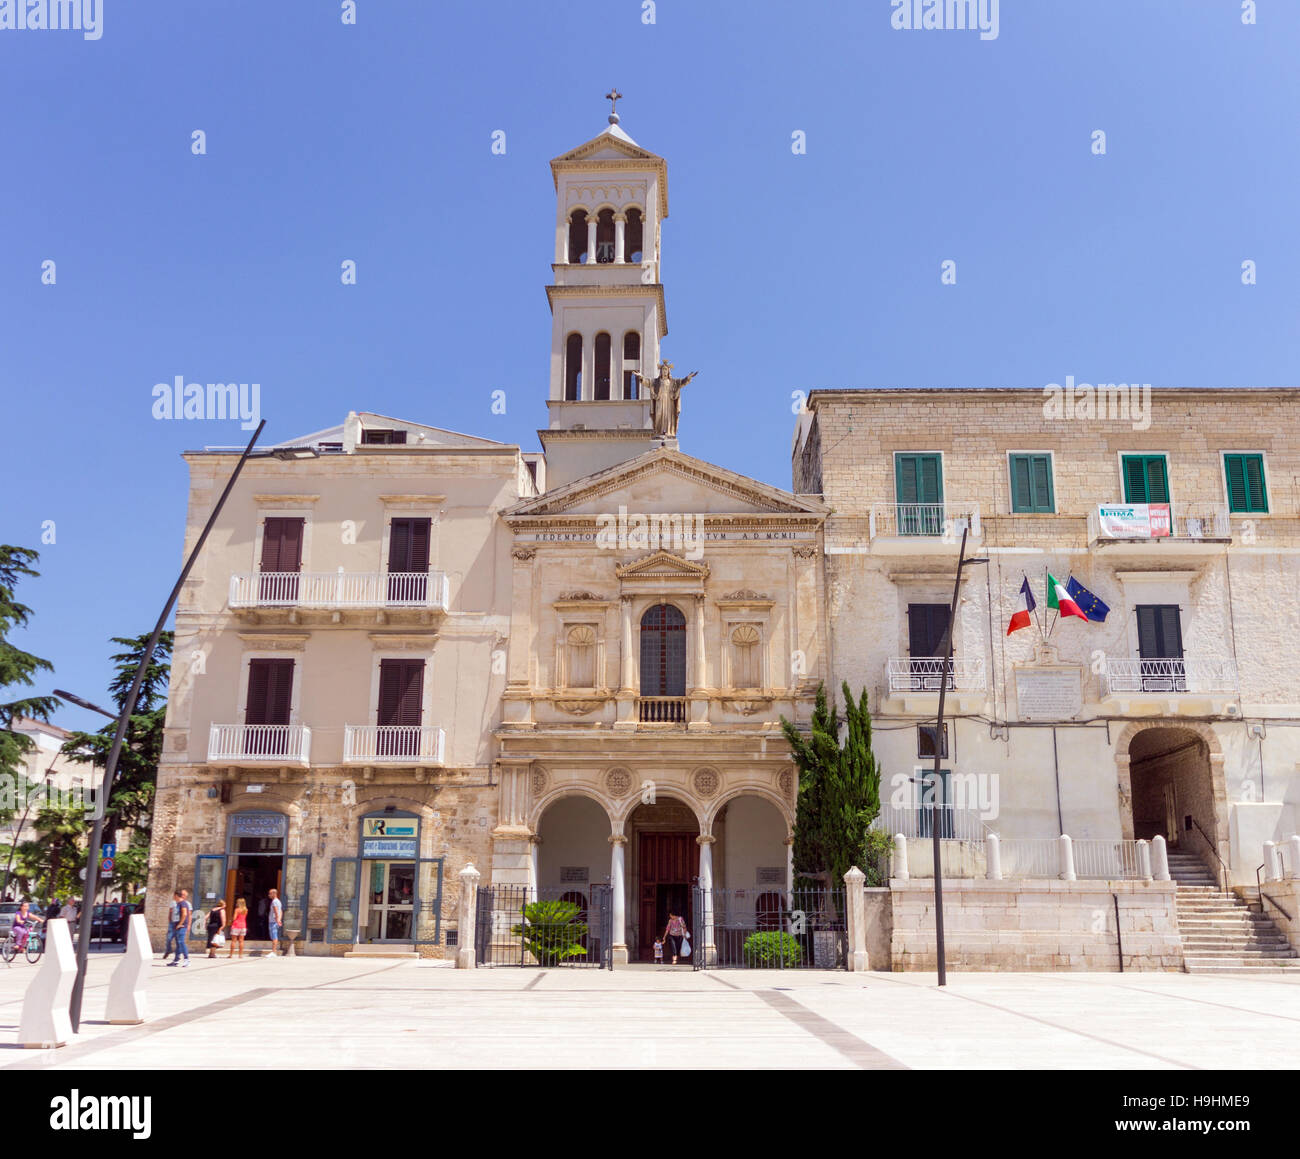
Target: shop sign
{"points": [[388, 848]]}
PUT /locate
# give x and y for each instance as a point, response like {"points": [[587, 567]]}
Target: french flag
{"points": [[1020, 619]]}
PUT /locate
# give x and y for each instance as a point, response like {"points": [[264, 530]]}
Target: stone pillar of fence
{"points": [[466, 918], [1144, 859], [1272, 862], [704, 927], [1159, 859], [1067, 858], [1295, 854], [992, 858], [899, 867], [855, 905]]}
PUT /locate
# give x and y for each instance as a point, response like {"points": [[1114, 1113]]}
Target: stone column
{"points": [[1144, 860], [698, 702], [806, 613], [856, 904], [701, 668], [620, 228], [1272, 863], [899, 868], [1067, 858], [517, 705], [1295, 855], [618, 889], [789, 873], [992, 858], [1159, 859], [534, 855], [467, 917], [704, 921], [591, 240], [627, 692]]}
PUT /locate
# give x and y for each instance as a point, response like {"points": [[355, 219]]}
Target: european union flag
{"points": [[1090, 605]]}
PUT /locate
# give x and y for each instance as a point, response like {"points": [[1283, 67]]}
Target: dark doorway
{"points": [[252, 876], [669, 865]]}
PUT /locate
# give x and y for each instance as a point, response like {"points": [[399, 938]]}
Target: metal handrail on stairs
{"points": [[1259, 887], [1223, 869]]}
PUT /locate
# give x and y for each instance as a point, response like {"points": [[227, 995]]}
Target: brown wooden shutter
{"points": [[270, 692], [282, 545], [401, 692]]}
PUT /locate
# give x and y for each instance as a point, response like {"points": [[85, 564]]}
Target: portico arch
{"points": [[1168, 773]]}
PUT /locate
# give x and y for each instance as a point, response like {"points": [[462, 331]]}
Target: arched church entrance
{"points": [[751, 880], [665, 858], [1172, 790]]}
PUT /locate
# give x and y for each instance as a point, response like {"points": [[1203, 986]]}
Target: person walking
{"points": [[216, 923], [274, 918], [674, 933], [238, 928], [184, 911], [173, 916]]}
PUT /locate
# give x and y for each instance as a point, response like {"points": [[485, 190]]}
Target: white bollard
{"points": [[1144, 859], [1159, 859], [899, 868], [1067, 858], [1295, 854], [992, 858], [127, 1003], [1272, 862], [856, 898], [467, 920], [45, 1021]]}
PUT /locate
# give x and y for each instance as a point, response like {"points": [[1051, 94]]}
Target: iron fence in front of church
{"points": [[770, 929], [551, 926]]}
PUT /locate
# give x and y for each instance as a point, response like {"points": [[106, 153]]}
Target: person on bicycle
{"points": [[23, 923]]}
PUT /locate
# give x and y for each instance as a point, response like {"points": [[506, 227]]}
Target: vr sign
{"points": [[1134, 521]]}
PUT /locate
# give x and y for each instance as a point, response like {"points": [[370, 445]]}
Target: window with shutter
{"points": [[1146, 479], [408, 561], [1246, 491], [401, 706], [918, 491], [1031, 483], [270, 702], [281, 560], [927, 625], [1160, 645]]}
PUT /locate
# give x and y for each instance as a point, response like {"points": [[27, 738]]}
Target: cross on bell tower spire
{"points": [[613, 96]]}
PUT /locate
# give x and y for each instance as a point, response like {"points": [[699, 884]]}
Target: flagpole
{"points": [[1038, 616]]}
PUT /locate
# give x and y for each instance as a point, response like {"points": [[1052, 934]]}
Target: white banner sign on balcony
{"points": [[1134, 520], [1049, 693]]}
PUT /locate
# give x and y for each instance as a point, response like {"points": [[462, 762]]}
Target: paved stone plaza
{"points": [[331, 1013]]}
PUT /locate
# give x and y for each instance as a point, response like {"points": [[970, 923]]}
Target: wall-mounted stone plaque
{"points": [[1049, 693]]}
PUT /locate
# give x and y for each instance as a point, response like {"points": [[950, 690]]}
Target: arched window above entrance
{"points": [[663, 651]]}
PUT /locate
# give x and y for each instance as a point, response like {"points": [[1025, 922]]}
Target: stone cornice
{"points": [[266, 499], [637, 290]]}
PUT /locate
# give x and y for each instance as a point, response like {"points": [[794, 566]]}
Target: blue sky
{"points": [[783, 272]]}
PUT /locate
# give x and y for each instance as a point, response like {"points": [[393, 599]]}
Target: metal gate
{"points": [[770, 929], [520, 925]]}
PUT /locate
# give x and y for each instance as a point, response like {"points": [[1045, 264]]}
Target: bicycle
{"points": [[33, 946]]}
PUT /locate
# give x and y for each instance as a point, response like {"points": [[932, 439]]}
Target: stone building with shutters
{"points": [[1178, 714], [337, 674]]}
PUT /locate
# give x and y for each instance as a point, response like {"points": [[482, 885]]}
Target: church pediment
{"points": [[662, 565], [667, 482]]}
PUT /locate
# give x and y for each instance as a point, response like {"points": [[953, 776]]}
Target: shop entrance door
{"points": [[389, 905]]}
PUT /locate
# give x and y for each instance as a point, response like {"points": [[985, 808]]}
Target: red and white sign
{"points": [[1135, 520]]}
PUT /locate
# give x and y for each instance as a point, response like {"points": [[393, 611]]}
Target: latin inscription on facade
{"points": [[1049, 694]]}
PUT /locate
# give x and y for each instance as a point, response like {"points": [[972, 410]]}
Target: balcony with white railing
{"points": [[921, 528], [340, 591], [955, 824], [912, 683], [1185, 681], [398, 744], [1180, 528], [266, 744]]}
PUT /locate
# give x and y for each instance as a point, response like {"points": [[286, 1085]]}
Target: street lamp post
{"points": [[123, 718], [945, 649]]}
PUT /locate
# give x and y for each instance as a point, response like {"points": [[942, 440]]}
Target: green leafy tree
{"points": [[17, 668], [61, 829], [130, 868], [839, 788], [131, 803]]}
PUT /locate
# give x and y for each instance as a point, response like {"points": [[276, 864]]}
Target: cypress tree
{"points": [[839, 788]]}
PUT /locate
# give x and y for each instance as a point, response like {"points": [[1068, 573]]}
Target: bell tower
{"points": [[607, 302]]}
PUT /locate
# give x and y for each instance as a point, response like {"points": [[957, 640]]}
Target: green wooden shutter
{"points": [[1146, 479], [1031, 483], [1246, 490], [918, 479]]}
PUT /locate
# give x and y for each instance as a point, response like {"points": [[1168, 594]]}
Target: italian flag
{"points": [[1059, 599], [1020, 618]]}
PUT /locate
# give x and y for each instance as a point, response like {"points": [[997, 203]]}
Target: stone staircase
{"points": [[1222, 934]]}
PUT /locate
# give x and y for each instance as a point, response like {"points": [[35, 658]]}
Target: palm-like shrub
{"points": [[551, 931]]}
